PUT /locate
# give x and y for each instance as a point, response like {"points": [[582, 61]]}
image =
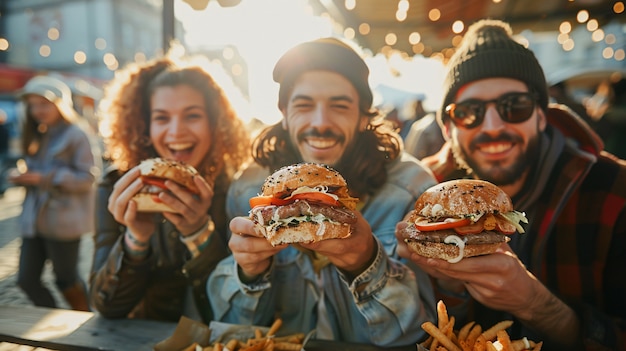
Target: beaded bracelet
{"points": [[136, 241], [133, 247], [198, 240]]}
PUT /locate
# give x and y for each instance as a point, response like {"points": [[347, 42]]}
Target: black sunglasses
{"points": [[512, 107]]}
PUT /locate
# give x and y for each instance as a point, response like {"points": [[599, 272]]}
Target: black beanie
{"points": [[323, 54], [488, 51]]}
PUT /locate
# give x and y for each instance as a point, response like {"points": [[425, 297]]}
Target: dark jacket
{"points": [[156, 287], [575, 242]]}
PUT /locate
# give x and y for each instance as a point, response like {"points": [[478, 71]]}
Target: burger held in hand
{"points": [[154, 173], [461, 218], [303, 203]]}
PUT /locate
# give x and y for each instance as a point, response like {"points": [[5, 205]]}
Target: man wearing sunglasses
{"points": [[562, 281]]}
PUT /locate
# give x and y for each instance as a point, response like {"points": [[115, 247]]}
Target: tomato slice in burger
{"points": [[160, 182], [312, 197], [260, 201], [426, 226]]}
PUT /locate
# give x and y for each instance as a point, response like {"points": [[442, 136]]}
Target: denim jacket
{"points": [[385, 305], [61, 207]]}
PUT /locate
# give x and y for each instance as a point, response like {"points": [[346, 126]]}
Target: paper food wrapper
{"points": [[186, 333]]}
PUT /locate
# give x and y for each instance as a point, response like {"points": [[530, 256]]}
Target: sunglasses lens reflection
{"points": [[512, 107]]}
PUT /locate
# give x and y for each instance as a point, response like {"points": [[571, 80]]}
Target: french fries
{"points": [[471, 336], [260, 342]]}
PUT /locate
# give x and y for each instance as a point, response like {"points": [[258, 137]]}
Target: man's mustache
{"points": [[486, 138], [314, 133]]}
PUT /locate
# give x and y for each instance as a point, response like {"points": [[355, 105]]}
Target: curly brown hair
{"points": [[125, 111], [362, 164]]}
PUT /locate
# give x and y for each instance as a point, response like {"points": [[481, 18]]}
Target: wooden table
{"points": [[68, 330]]}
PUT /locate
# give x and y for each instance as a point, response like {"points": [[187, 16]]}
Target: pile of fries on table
{"points": [[471, 337], [260, 342]]}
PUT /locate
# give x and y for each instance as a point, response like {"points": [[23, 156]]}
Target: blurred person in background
{"points": [[155, 265], [612, 118], [562, 281], [412, 113], [559, 94], [424, 138], [62, 165], [352, 289]]}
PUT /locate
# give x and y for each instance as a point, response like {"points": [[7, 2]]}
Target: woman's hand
{"points": [[192, 209], [124, 209]]}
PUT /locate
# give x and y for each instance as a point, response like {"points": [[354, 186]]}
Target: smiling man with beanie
{"points": [[562, 282], [352, 289]]}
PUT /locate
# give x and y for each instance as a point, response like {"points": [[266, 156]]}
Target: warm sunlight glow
{"points": [[457, 27], [434, 15], [403, 5], [610, 39], [260, 47], [414, 38], [597, 35], [400, 15], [349, 33], [53, 33], [140, 57], [100, 44], [391, 39], [592, 25], [45, 50], [568, 45], [56, 324], [364, 28], [80, 57], [565, 27]]}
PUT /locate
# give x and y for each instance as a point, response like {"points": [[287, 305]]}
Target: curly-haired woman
{"points": [[148, 265]]}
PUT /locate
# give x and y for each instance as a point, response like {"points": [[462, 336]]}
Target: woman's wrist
{"points": [[135, 247], [198, 240]]}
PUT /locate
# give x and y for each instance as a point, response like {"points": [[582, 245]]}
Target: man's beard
{"points": [[497, 173]]}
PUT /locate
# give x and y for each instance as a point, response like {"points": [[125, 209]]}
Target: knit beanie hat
{"points": [[489, 51], [323, 54]]}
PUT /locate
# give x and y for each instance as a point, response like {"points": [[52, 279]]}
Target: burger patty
{"points": [[438, 236], [304, 208]]}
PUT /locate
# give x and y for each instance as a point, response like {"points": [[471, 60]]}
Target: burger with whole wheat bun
{"points": [[461, 218], [303, 203]]}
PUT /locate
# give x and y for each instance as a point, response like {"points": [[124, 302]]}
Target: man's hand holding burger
{"points": [[308, 205], [353, 254], [492, 274], [253, 252]]}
